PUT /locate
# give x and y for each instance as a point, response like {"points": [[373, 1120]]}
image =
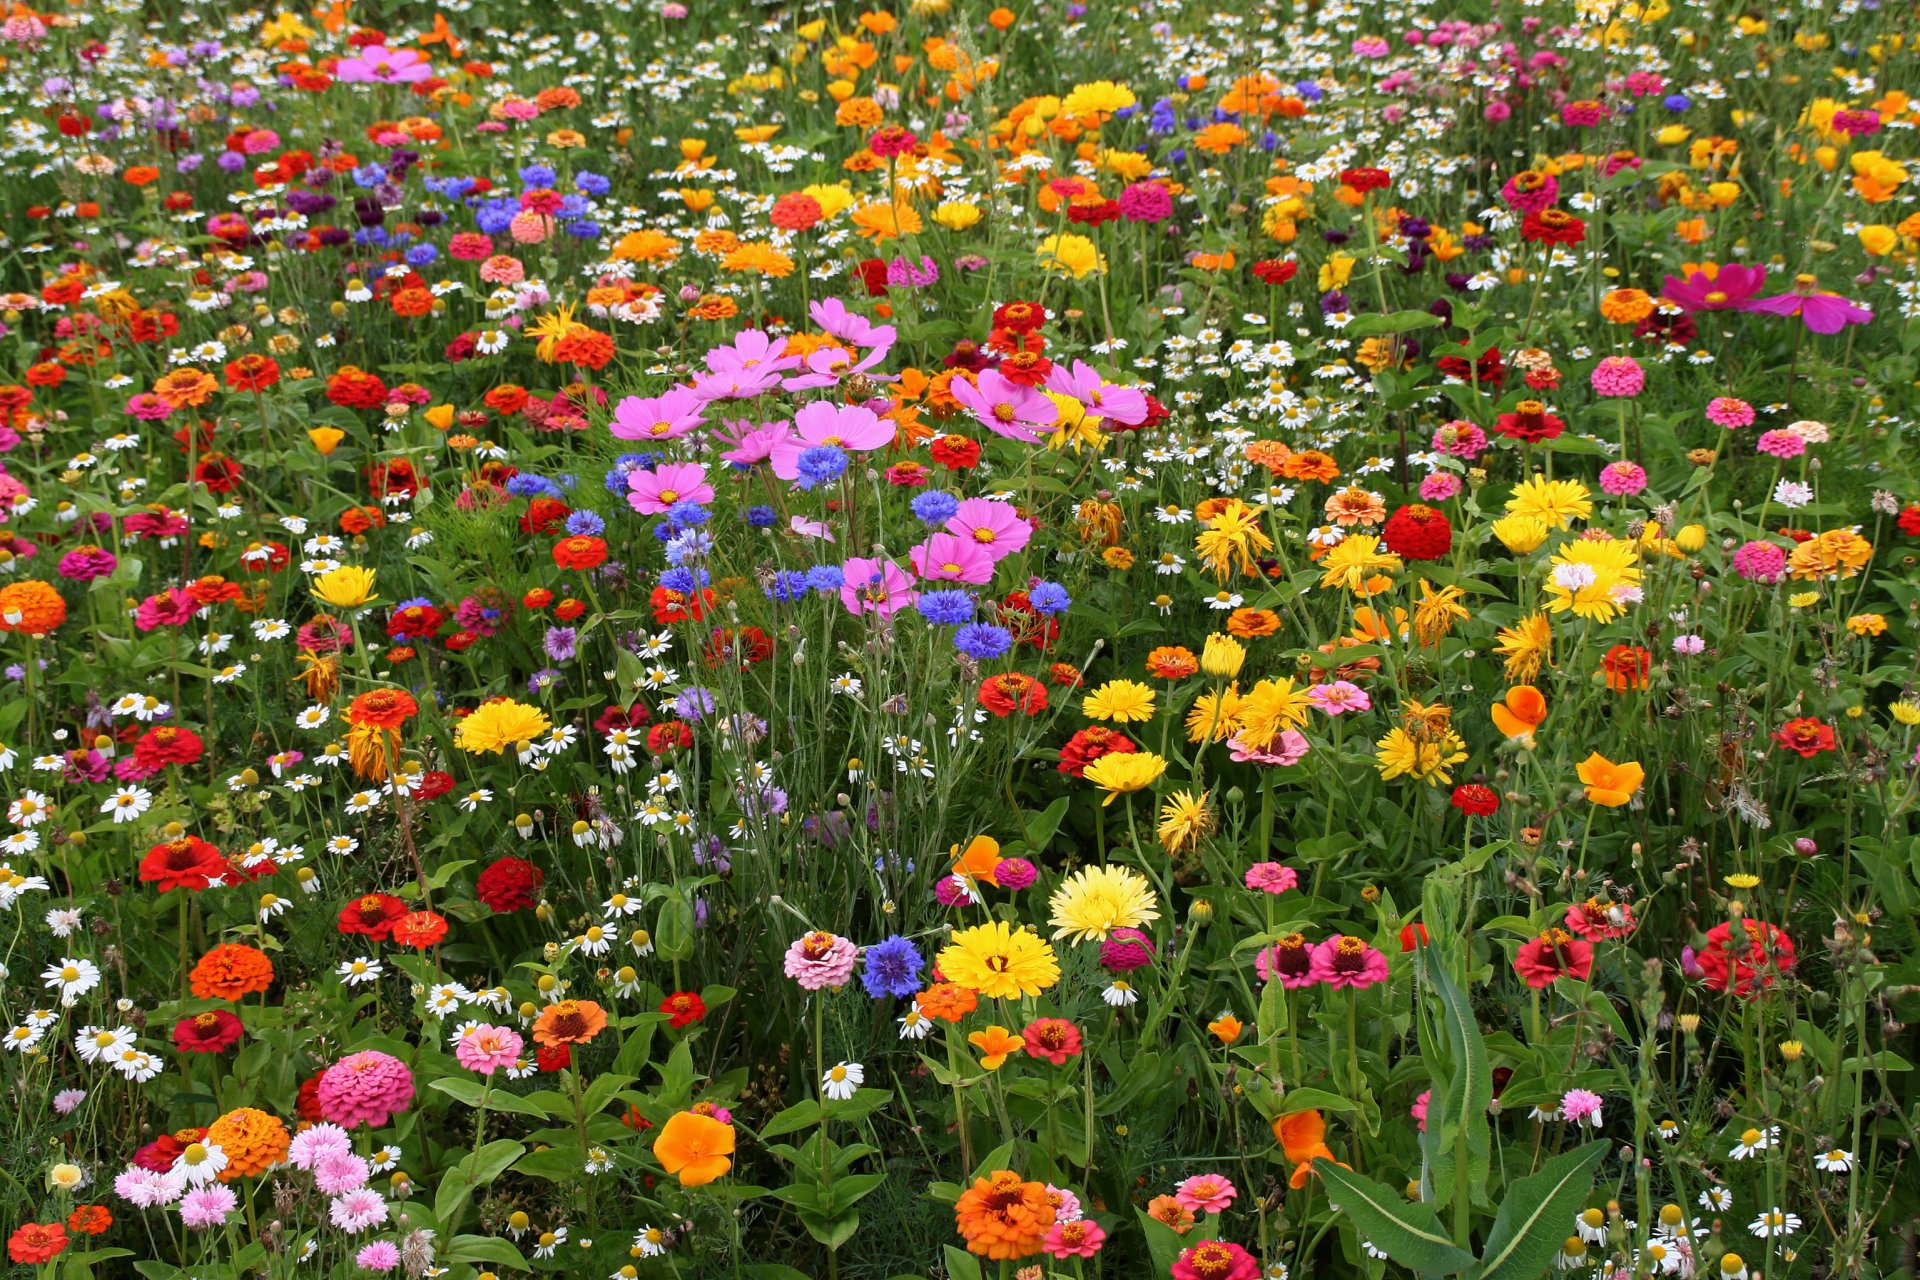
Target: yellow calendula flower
{"points": [[1184, 819], [347, 587], [1125, 772], [1094, 901], [1232, 540], [1122, 701], [957, 215], [1222, 656], [1070, 255], [1404, 755], [495, 726], [999, 961], [1354, 561]]}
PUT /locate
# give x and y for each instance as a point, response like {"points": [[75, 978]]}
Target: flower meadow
{"points": [[962, 642]]}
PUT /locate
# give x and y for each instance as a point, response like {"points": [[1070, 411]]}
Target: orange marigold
{"points": [[1003, 1216], [231, 971], [254, 1141], [32, 608]]}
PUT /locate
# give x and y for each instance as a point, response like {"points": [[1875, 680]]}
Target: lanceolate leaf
{"points": [[1408, 1231], [1532, 1223], [1468, 1090]]}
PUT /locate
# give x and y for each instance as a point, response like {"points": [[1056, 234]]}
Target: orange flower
{"points": [[1608, 784], [1226, 1028], [1169, 1211], [253, 1140], [1003, 1217], [1252, 623], [382, 709], [231, 971], [979, 861], [1303, 1139], [1310, 464], [1172, 662], [32, 608], [569, 1022], [946, 1001], [693, 1148], [1521, 713], [186, 388], [996, 1044]]}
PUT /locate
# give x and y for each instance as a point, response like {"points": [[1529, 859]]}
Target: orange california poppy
{"points": [[693, 1148], [1522, 712], [979, 860]]}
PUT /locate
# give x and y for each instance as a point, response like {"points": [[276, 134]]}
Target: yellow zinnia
{"points": [[1122, 701]]}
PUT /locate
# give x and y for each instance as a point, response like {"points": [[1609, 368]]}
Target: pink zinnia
{"points": [[88, 563], [1290, 747], [995, 526], [1781, 444], [1419, 1109], [171, 608], [1726, 411], [1340, 697], [1215, 1260], [1205, 1193], [1623, 479], [1079, 1238], [1460, 439], [1618, 376], [1347, 961], [654, 492], [1125, 950], [821, 959], [148, 407], [1290, 960], [365, 1088], [1530, 199], [1146, 202], [1760, 562], [1439, 487], [1272, 877], [878, 587], [486, 1048]]}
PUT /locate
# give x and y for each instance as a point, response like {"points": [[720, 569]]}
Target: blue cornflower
{"points": [[585, 524], [945, 608], [1049, 598], [934, 507], [982, 640], [892, 968], [788, 586], [821, 463], [825, 578], [762, 517]]}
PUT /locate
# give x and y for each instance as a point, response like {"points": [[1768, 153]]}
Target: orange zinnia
{"points": [[231, 971], [693, 1148], [1003, 1216], [382, 709], [1310, 464], [254, 1141], [569, 1022], [1172, 662], [946, 1001]]}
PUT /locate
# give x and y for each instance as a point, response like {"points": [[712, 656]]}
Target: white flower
{"points": [[102, 1044], [360, 970], [1120, 994], [72, 978], [1774, 1222], [1834, 1161], [549, 1241], [128, 803], [842, 1079], [915, 1025], [138, 1066], [650, 1242], [200, 1163], [1718, 1199], [30, 810], [1752, 1141]]}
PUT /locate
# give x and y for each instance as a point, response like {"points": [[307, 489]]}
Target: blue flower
{"points": [[1049, 598], [538, 175], [762, 517], [788, 586], [892, 968], [934, 507], [982, 640], [820, 464], [585, 524], [945, 608], [825, 578]]}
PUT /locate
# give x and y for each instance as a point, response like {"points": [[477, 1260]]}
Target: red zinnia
{"points": [[1005, 694], [1021, 317], [187, 863], [956, 453], [1054, 1039], [1365, 180], [580, 552], [1418, 532], [1626, 667], [1275, 271], [372, 915], [36, 1242], [420, 929], [683, 1008], [1529, 423], [509, 884], [669, 735], [207, 1032], [1554, 954], [1768, 951], [381, 709], [1552, 226], [167, 745], [253, 372], [1806, 735], [1475, 800], [1088, 745]]}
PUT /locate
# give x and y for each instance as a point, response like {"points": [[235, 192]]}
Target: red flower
{"points": [[1626, 667], [553, 1057], [1552, 226], [1554, 954], [434, 783], [1054, 1039], [253, 372], [1088, 745], [386, 709], [207, 1032], [353, 388], [509, 884], [740, 649], [1005, 694], [371, 915], [1768, 951], [420, 929], [1475, 800], [544, 515], [873, 275], [669, 735], [187, 863], [1020, 317], [683, 1008], [956, 453], [1488, 370], [1418, 532], [1365, 180], [36, 1242], [1412, 936], [1806, 735], [90, 1220], [1909, 520], [1529, 423], [158, 748], [676, 606], [580, 552], [1275, 271]]}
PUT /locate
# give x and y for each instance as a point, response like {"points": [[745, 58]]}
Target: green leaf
{"points": [[477, 1170], [487, 1249], [1407, 1230], [461, 1089], [961, 1265], [1368, 326], [1532, 1222], [1467, 1091], [1040, 828], [801, 1115]]}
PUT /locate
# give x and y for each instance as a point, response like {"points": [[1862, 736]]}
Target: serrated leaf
{"points": [[1532, 1222], [1407, 1230]]}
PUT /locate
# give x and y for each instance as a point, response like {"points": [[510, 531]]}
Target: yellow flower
{"points": [[1402, 754], [495, 726], [1906, 712], [1354, 560], [347, 587], [1215, 717], [1269, 708], [1595, 579], [1867, 624], [996, 1044], [1094, 901], [1743, 880], [999, 961], [1436, 611], [1070, 255], [1093, 103], [957, 215], [1837, 553], [1222, 656], [831, 196], [1233, 537], [1122, 701], [1555, 503], [1184, 818], [1335, 272], [1521, 535], [1072, 426], [1124, 772], [326, 439], [1804, 599]]}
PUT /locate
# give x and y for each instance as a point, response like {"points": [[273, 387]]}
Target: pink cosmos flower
{"points": [[1339, 697], [377, 64], [1347, 961], [1821, 312], [1005, 407], [851, 427], [951, 558], [654, 492], [1272, 877], [830, 366], [878, 587], [832, 315], [656, 418], [1727, 289], [486, 1048], [993, 525], [752, 443], [749, 366], [1125, 405], [1205, 1193]]}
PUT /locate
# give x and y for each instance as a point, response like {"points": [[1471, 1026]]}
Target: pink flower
{"points": [[1216, 1259], [821, 959], [1290, 960], [378, 64], [1125, 950], [1290, 747], [995, 526], [1439, 487], [950, 558], [656, 418], [486, 1048], [1530, 199], [878, 587], [309, 1145], [1460, 439], [1005, 407], [654, 492], [1339, 697], [148, 407], [355, 1211], [1272, 877], [381, 1255], [205, 1208], [1623, 479], [1078, 1238], [1146, 202], [832, 315], [1419, 1109], [365, 1088], [1618, 376], [752, 443], [1581, 1107], [1781, 444], [1346, 961], [850, 427], [1726, 411], [1104, 400], [1760, 562], [1205, 1193], [339, 1172], [171, 608]]}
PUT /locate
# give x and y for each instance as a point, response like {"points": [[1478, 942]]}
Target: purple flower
{"points": [[560, 643]]}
